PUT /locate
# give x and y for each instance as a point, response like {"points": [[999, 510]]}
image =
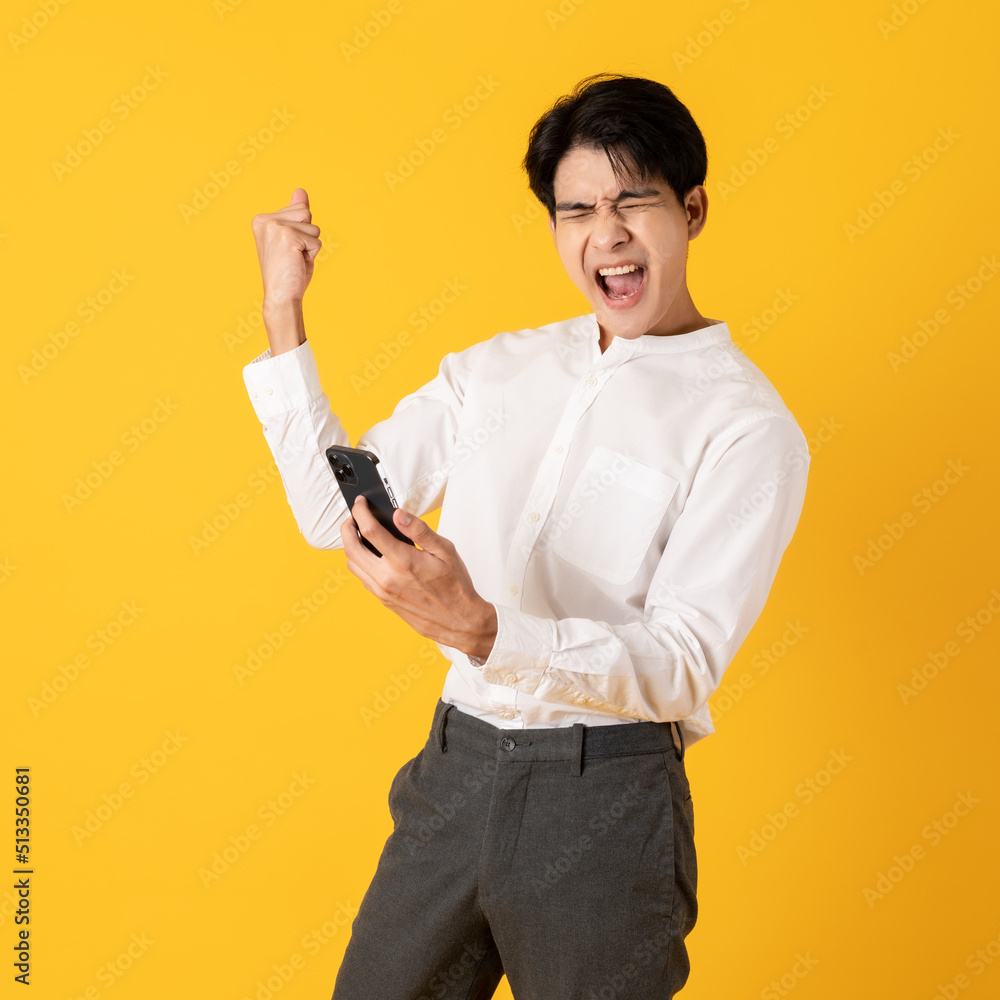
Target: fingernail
{"points": [[406, 517]]}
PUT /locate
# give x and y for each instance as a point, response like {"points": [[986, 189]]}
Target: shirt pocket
{"points": [[611, 516]]}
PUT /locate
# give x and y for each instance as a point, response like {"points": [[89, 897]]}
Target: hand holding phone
{"points": [[359, 473]]}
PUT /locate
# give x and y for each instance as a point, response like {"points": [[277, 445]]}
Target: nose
{"points": [[609, 230]]}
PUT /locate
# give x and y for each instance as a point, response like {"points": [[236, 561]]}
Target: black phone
{"points": [[358, 473]]}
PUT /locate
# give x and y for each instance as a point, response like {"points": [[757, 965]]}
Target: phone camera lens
{"points": [[348, 471]]}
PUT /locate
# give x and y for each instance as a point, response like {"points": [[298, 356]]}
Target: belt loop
{"points": [[576, 765], [441, 724], [680, 735]]}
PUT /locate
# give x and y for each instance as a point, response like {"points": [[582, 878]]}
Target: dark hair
{"points": [[640, 124]]}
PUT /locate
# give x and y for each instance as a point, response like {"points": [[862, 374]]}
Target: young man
{"points": [[616, 492]]}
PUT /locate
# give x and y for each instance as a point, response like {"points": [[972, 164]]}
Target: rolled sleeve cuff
{"points": [[286, 382], [521, 652]]}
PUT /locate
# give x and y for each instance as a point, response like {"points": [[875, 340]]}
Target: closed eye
{"points": [[583, 215]]}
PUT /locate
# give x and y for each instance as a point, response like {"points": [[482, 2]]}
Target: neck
{"points": [[689, 321]]}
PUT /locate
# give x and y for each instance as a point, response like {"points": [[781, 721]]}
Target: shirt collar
{"points": [[717, 332]]}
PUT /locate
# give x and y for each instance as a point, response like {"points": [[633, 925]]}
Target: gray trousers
{"points": [[562, 857]]}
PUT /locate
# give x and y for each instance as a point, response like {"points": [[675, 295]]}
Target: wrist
{"points": [[284, 324], [486, 633]]}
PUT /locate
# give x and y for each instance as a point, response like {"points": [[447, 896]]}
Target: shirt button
{"points": [[507, 743], [591, 382], [510, 679], [533, 516], [268, 391], [253, 393], [558, 449], [513, 589]]}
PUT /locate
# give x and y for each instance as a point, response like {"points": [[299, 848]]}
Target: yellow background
{"points": [[879, 437]]}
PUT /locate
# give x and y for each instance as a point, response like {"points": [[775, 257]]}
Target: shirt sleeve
{"points": [[707, 592], [415, 444]]}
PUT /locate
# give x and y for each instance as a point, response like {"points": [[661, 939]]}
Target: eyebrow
{"points": [[571, 206]]}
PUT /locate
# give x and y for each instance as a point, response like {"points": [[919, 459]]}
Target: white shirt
{"points": [[624, 512]]}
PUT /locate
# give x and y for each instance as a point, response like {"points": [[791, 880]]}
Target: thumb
{"points": [[299, 197], [417, 530]]}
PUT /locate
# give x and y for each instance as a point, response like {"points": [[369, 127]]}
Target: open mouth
{"points": [[620, 284]]}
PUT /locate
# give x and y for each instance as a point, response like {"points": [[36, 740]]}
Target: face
{"points": [[600, 225]]}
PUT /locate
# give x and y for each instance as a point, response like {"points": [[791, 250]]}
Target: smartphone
{"points": [[358, 473]]}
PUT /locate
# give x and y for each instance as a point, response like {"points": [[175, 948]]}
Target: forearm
{"points": [[642, 670], [299, 426], [298, 440]]}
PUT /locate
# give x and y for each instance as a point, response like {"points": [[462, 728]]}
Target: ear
{"points": [[696, 207], [552, 227]]}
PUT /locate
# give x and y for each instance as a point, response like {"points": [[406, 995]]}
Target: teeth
{"points": [[605, 271]]}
